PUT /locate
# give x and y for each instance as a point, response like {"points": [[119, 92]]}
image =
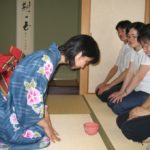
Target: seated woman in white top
{"points": [[135, 124], [136, 86]]}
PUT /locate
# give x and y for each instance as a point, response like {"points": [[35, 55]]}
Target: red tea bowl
{"points": [[91, 128]]}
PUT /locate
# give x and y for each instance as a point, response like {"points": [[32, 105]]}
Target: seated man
{"points": [[106, 88]]}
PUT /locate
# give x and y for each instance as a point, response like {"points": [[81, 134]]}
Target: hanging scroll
{"points": [[25, 24]]}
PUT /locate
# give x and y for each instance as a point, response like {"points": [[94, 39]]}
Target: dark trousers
{"points": [[135, 98], [137, 129], [104, 96]]}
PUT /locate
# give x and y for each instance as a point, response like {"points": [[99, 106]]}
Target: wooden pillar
{"points": [[147, 11], [85, 29]]}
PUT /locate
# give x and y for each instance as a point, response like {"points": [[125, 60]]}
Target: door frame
{"points": [[85, 29]]}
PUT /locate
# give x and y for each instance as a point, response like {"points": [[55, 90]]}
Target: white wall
{"points": [[105, 14]]}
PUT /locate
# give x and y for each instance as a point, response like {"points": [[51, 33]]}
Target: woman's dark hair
{"points": [[137, 26], [144, 34], [80, 43], [124, 24]]}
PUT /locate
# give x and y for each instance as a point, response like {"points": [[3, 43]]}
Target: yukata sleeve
{"points": [[36, 90]]}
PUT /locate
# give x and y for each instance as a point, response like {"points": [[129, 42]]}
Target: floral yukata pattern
{"points": [[24, 106]]}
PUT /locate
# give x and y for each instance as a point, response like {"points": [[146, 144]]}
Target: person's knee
{"points": [[110, 104], [131, 134], [97, 94], [117, 109], [127, 132], [101, 97], [121, 119]]}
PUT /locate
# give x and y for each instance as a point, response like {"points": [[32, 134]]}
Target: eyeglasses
{"points": [[132, 36]]}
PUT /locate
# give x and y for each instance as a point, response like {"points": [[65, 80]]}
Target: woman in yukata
{"points": [[24, 119], [136, 87], [135, 124]]}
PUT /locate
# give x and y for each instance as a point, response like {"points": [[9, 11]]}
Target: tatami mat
{"points": [[71, 131], [67, 104], [107, 120]]}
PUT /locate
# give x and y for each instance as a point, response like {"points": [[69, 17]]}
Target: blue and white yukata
{"points": [[24, 105]]}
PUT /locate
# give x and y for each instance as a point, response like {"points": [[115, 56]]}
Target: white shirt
{"points": [[137, 59], [124, 58]]}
